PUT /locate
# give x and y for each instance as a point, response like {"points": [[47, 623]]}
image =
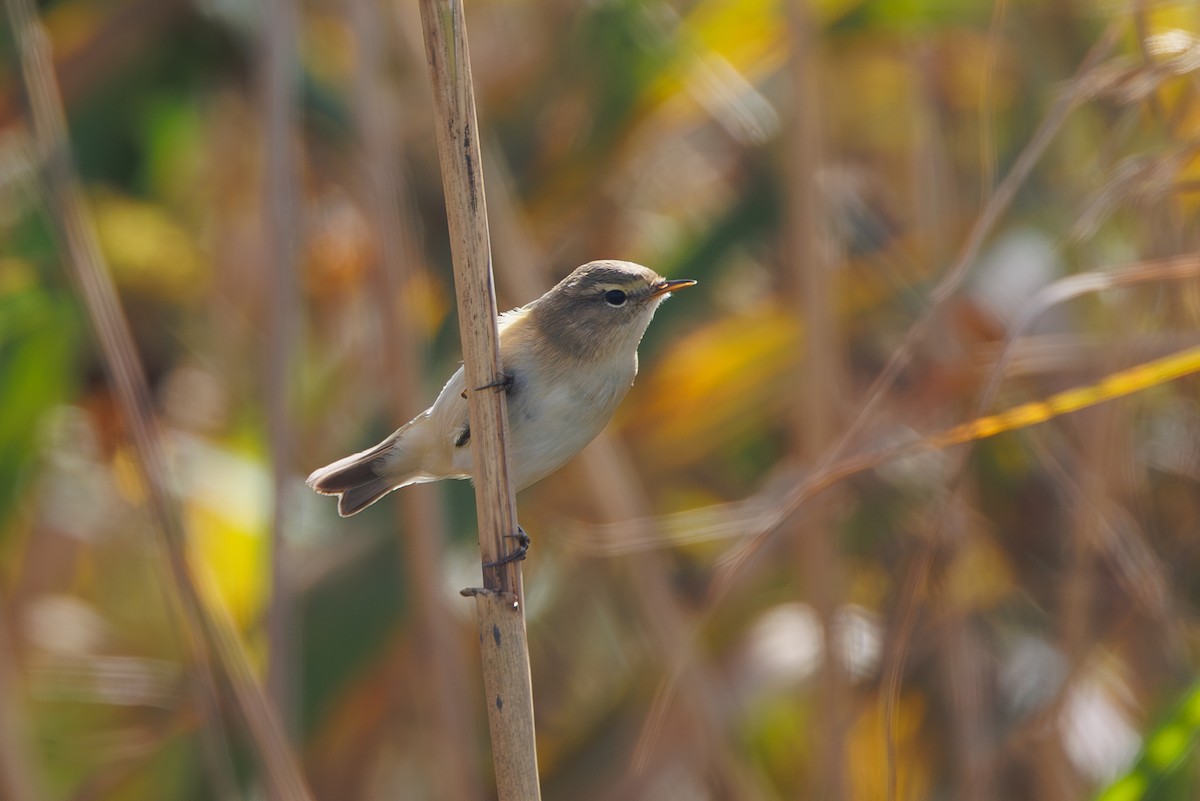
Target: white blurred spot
{"points": [[75, 495], [116, 680], [231, 486], [1179, 48], [134, 681], [1031, 676], [784, 647], [732, 100], [1009, 275], [1174, 441], [62, 624], [860, 642], [1099, 738], [923, 470]]}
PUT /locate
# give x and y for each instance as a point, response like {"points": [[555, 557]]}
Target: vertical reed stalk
{"points": [[279, 211], [500, 606], [808, 277], [19, 780]]}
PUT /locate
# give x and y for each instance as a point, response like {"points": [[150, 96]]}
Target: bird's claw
{"points": [[504, 382], [522, 549]]}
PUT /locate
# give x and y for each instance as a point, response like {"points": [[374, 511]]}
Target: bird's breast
{"points": [[550, 420]]}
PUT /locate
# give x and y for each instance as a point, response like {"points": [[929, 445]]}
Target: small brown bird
{"points": [[568, 359]]}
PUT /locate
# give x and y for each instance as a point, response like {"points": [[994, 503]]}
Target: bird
{"points": [[567, 360]]}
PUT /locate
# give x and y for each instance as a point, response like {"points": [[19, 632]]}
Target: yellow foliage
{"points": [[15, 275], [331, 52], [1189, 171], [127, 477], [979, 577], [1116, 385], [749, 37], [225, 498], [720, 380], [876, 85], [424, 299], [1183, 15], [744, 32], [232, 558], [869, 586], [147, 250], [71, 25], [868, 752]]}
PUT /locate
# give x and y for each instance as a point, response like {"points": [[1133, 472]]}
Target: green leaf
{"points": [[1163, 768]]}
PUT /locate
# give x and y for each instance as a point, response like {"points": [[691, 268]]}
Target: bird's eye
{"points": [[614, 297]]}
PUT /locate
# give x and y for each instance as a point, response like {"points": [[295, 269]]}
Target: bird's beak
{"points": [[666, 287]]}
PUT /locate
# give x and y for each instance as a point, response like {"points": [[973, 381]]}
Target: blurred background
{"points": [[902, 215]]}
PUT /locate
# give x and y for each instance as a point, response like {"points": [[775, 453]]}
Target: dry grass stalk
{"points": [[18, 780], [279, 71], [499, 604], [808, 278]]}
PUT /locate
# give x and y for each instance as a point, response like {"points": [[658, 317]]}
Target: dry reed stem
{"points": [[808, 278], [959, 655], [279, 75], [203, 633], [466, 211], [18, 778], [499, 604]]}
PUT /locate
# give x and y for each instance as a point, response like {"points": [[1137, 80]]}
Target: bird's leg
{"points": [[519, 554], [504, 382]]}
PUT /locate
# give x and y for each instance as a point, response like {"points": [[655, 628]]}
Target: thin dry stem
{"points": [[18, 779], [466, 211], [279, 79], [809, 276], [500, 606]]}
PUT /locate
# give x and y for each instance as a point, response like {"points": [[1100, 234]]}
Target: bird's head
{"points": [[602, 309]]}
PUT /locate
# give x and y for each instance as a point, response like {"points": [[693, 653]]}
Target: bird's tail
{"points": [[363, 478]]}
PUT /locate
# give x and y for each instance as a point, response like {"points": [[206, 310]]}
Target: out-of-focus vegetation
{"points": [[1008, 619]]}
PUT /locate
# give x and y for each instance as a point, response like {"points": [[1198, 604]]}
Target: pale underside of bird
{"points": [[567, 360]]}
